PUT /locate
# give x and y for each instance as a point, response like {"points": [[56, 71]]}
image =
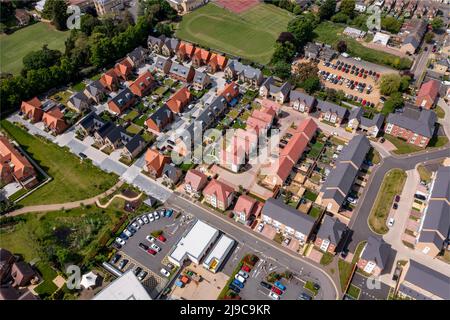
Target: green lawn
{"points": [[392, 185], [310, 195], [403, 147], [134, 129], [131, 115], [310, 286], [72, 179], [250, 35], [15, 46], [315, 212], [345, 271], [330, 33], [326, 259], [78, 86], [440, 113], [353, 292]]}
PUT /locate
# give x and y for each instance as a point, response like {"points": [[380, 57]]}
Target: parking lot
{"points": [[172, 229]]}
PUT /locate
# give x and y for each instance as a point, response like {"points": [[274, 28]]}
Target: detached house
{"points": [[159, 119], [201, 80], [171, 174], [32, 109], [247, 208], [218, 194], [182, 73], [269, 89], [217, 62], [162, 65], [354, 118], [155, 162], [194, 182], [137, 57], [110, 80], [179, 100], [428, 94], [374, 256], [122, 101], [330, 235], [301, 101], [185, 51], [251, 76], [78, 102], [95, 92], [123, 69], [331, 112], [143, 85], [54, 121], [230, 91], [133, 147], [200, 57]]}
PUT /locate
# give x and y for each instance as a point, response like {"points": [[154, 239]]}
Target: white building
{"points": [[194, 244], [381, 38], [126, 287], [218, 254]]}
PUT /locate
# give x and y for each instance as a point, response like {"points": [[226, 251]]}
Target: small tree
{"points": [[341, 46]]}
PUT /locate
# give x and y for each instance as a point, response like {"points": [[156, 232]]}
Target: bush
{"points": [[157, 233]]}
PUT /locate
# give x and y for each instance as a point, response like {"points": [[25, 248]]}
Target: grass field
{"points": [[250, 35], [15, 46], [72, 180]]}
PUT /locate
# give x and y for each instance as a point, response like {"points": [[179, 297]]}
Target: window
{"points": [[426, 250], [369, 267], [324, 245], [389, 127]]}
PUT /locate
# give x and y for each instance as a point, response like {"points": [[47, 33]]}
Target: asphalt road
{"points": [[261, 246], [359, 222]]}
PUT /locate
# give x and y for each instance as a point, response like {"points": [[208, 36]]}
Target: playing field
{"points": [[250, 35], [15, 46]]}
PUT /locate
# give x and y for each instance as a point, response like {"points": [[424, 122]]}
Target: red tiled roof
{"points": [[219, 189], [32, 108], [295, 147], [217, 59], [186, 48], [142, 83], [179, 100], [155, 160], [284, 167], [124, 67], [245, 204], [261, 115], [195, 178], [308, 127], [54, 119], [429, 89], [267, 103], [11, 161], [109, 77], [202, 54], [230, 91]]}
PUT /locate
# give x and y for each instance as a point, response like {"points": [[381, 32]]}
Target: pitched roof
{"points": [[307, 127], [134, 143], [137, 54], [161, 62], [355, 151], [172, 172], [270, 85], [154, 40], [161, 115], [230, 91], [202, 54], [109, 77], [248, 71], [356, 113], [307, 99], [287, 215], [441, 187], [122, 98], [244, 204], [217, 59], [78, 98], [144, 81], [179, 99], [429, 89], [195, 178], [172, 43], [186, 48], [89, 121], [200, 77], [155, 160], [376, 121], [95, 88], [416, 120], [219, 189], [12, 159], [180, 70], [331, 229], [376, 250], [325, 106]]}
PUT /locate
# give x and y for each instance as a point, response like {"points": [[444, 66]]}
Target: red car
{"points": [[245, 268], [151, 251], [161, 238], [277, 291]]}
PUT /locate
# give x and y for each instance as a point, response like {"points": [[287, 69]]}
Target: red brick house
{"points": [[143, 85], [185, 51], [330, 234], [194, 182], [159, 120], [246, 207], [217, 62], [218, 194], [200, 57], [428, 94], [123, 69], [230, 91], [110, 80], [179, 100], [32, 109], [122, 101], [182, 73], [155, 162], [54, 121]]}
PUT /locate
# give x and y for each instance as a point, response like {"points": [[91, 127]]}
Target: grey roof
{"points": [[356, 113], [161, 62], [431, 237], [200, 77], [438, 217], [441, 187], [134, 143], [154, 40], [376, 121], [307, 99], [137, 54], [341, 177], [179, 69], [331, 229], [414, 119], [248, 71], [171, 172], [172, 43], [269, 83], [123, 97], [377, 250], [95, 88], [278, 210], [161, 115], [105, 129], [333, 108], [327, 53], [413, 40], [334, 194], [77, 99], [428, 279], [91, 120], [312, 49], [118, 133], [356, 150]]}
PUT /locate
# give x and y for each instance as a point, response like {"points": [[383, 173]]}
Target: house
{"points": [[200, 57], [327, 53], [330, 235], [91, 123], [185, 51], [78, 102], [104, 7], [155, 44], [360, 6], [194, 182], [201, 80], [331, 112], [137, 57], [269, 89], [179, 100], [354, 33], [232, 157], [312, 50], [110, 80], [261, 120], [217, 62], [123, 69], [15, 167], [54, 121], [435, 228], [340, 181], [235, 70], [354, 118], [7, 259], [155, 162], [230, 91], [22, 273], [32, 109], [159, 119], [162, 65], [374, 256], [415, 126], [371, 127], [116, 137], [287, 220], [247, 207], [95, 91], [171, 174], [420, 282], [122, 101], [22, 17], [133, 147], [412, 41], [182, 73], [102, 132], [428, 94], [143, 85], [185, 6], [301, 101], [170, 47], [218, 194]]}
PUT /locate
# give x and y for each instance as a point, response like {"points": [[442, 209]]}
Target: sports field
{"points": [[15, 46], [250, 34]]}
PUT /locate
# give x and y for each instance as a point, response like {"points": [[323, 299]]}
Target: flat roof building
{"points": [[126, 287], [218, 254]]}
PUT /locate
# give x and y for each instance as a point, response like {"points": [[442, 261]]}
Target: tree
{"points": [[283, 52], [327, 9], [311, 85], [43, 58], [56, 11], [286, 36], [404, 83], [6, 10], [302, 29], [390, 83], [88, 23], [429, 36], [437, 23], [391, 24], [304, 71], [282, 69], [340, 18], [341, 46], [348, 7], [395, 101]]}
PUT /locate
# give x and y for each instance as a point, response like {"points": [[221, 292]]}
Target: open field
{"points": [[15, 46], [72, 179], [392, 185], [250, 35]]}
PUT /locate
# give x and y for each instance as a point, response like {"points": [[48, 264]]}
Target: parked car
{"points": [[136, 225], [156, 214], [260, 227], [305, 296], [127, 232], [139, 220], [141, 276], [123, 263], [316, 286], [238, 283], [397, 273], [170, 266], [391, 222], [395, 206], [155, 247], [123, 236], [168, 213], [161, 238], [165, 273], [145, 219], [120, 241], [243, 274], [277, 290], [351, 200], [420, 196], [132, 230], [397, 198], [274, 296], [151, 217], [116, 258], [151, 251], [137, 270], [266, 285], [239, 278], [245, 268], [150, 239], [234, 288], [143, 246], [279, 285]]}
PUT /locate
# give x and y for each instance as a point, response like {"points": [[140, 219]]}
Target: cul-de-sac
{"points": [[225, 150]]}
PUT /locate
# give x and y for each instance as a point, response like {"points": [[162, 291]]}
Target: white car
{"points": [[139, 220], [136, 225], [274, 296], [150, 217], [391, 222], [165, 273], [239, 278], [260, 227], [156, 214], [352, 200], [243, 273], [150, 239], [120, 241], [155, 247], [145, 219], [127, 232]]}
